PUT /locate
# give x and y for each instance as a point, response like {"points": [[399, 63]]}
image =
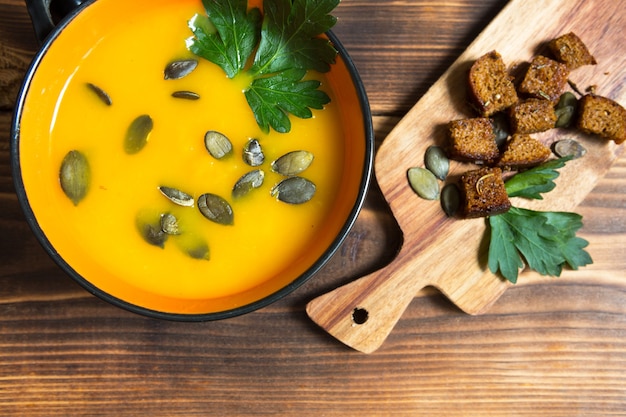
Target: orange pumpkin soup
{"points": [[123, 48]]}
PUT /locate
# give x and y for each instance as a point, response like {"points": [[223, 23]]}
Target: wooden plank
{"points": [[445, 252], [556, 349]]}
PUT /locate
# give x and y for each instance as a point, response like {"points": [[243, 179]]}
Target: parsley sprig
{"points": [[227, 35], [287, 41], [546, 240]]}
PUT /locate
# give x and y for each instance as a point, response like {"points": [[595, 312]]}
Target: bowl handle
{"points": [[45, 14]]}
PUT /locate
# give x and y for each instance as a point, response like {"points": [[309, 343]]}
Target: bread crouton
{"points": [[472, 140], [545, 79], [491, 88], [523, 151], [532, 116], [483, 193], [570, 50], [602, 116]]}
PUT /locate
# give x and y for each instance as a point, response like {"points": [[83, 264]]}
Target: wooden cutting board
{"points": [[451, 254]]}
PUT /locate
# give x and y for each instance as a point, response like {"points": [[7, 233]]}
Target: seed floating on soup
{"points": [[176, 196], [75, 176], [248, 182], [200, 251], [178, 69], [187, 95], [151, 231], [216, 209], [217, 144], [169, 224], [253, 154], [100, 93], [294, 190], [137, 134], [292, 163], [194, 246]]}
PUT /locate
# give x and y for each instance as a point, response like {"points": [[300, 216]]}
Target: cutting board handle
{"points": [[361, 314]]}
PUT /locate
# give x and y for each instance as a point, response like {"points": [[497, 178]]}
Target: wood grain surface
{"points": [[555, 348], [430, 253]]}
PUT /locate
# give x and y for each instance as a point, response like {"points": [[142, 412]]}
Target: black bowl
{"points": [[354, 105]]}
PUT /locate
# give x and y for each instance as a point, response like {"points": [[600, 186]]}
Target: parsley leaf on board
{"points": [[545, 240], [536, 180], [287, 42], [503, 254], [571, 245]]}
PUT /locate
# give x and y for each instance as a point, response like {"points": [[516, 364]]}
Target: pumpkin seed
{"points": [[501, 128], [437, 162], [176, 196], [564, 116], [151, 231], [137, 134], [253, 179], [424, 183], [75, 176], [292, 163], [216, 209], [567, 99], [169, 224], [294, 190], [217, 144], [569, 147], [450, 199], [565, 109], [199, 251], [253, 154], [180, 68], [102, 95], [194, 246], [187, 95]]}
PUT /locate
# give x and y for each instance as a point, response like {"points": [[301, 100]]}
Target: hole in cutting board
{"points": [[360, 315]]}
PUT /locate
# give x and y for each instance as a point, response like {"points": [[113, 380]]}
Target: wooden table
{"points": [[555, 348]]}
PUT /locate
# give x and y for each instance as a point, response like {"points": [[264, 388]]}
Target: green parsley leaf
{"points": [[287, 42], [527, 231], [271, 98], [290, 36], [228, 36], [545, 240], [503, 254], [537, 180], [571, 246]]}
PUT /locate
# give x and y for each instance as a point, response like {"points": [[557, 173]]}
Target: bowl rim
{"points": [[366, 177]]}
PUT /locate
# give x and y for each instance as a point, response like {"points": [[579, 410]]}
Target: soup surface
{"points": [[123, 48]]}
